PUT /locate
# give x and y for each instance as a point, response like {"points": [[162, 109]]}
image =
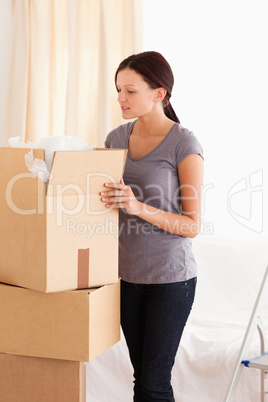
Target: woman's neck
{"points": [[152, 125]]}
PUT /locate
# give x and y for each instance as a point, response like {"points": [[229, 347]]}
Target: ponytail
{"points": [[170, 113]]}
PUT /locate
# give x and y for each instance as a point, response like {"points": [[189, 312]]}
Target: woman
{"points": [[160, 211]]}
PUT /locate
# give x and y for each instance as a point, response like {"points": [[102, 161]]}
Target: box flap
{"points": [[84, 172], [104, 303], [15, 174]]}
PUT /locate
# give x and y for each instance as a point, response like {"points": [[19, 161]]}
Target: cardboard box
{"points": [[58, 236], [74, 325], [32, 379]]}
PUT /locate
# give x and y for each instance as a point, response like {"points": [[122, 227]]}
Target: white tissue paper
{"points": [[36, 166], [63, 143], [41, 168], [15, 143]]}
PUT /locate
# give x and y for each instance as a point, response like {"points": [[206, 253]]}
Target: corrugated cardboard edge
{"points": [[83, 382], [124, 160]]}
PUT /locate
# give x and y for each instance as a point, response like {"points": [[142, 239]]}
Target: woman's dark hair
{"points": [[156, 71]]}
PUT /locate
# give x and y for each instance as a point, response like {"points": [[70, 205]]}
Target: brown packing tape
{"points": [[83, 268]]}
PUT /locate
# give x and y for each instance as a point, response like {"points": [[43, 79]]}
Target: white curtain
{"points": [[64, 55]]}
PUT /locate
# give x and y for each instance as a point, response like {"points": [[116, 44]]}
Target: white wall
{"points": [[5, 42], [217, 50]]}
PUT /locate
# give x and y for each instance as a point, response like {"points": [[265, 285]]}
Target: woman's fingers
{"points": [[115, 205], [117, 199], [117, 189], [112, 193], [119, 186], [120, 195]]}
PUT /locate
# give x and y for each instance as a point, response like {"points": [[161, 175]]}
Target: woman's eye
{"points": [[129, 92]]}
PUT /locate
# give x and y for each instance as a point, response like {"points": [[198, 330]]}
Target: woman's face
{"points": [[135, 96]]}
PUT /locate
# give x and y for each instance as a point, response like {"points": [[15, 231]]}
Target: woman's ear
{"points": [[159, 94]]}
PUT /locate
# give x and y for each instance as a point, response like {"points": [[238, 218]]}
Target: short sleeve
{"points": [[118, 137], [187, 145], [107, 142]]}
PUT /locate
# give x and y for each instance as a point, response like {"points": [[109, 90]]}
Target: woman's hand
{"points": [[190, 172], [121, 196]]}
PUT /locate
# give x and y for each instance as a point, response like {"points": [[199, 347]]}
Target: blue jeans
{"points": [[153, 318]]}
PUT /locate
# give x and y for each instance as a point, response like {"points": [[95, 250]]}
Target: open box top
{"points": [[77, 172], [61, 236]]}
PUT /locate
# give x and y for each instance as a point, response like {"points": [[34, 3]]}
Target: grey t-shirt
{"points": [[148, 254]]}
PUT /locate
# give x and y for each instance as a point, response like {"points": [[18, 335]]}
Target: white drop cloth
{"points": [[230, 272]]}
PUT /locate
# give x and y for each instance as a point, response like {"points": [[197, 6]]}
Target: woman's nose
{"points": [[121, 97]]}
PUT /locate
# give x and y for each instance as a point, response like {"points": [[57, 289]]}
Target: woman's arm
{"points": [[191, 171]]}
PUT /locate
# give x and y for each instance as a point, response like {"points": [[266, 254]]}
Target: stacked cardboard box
{"points": [[32, 379], [60, 293]]}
